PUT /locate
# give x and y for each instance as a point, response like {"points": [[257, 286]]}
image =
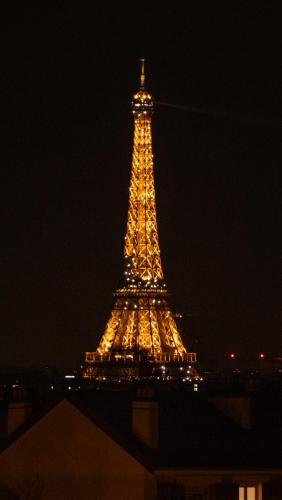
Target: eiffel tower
{"points": [[141, 336]]}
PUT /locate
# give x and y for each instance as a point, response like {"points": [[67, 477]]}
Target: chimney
{"points": [[18, 413], [145, 417], [14, 411]]}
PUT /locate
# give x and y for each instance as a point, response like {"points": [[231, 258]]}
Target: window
{"points": [[248, 493]]}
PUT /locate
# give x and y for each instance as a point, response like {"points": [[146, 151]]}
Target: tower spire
{"points": [[141, 323], [142, 75]]}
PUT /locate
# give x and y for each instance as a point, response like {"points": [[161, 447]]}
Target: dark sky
{"points": [[67, 76]]}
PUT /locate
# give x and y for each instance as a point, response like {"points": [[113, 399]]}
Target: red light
{"points": [[261, 355], [232, 355]]}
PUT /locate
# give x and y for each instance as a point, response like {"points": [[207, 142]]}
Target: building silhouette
{"points": [[155, 445]]}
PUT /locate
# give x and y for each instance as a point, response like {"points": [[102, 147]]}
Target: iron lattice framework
{"points": [[141, 325]]}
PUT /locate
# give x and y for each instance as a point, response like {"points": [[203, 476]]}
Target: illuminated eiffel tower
{"points": [[141, 332]]}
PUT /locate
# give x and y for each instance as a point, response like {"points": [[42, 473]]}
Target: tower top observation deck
{"points": [[142, 101]]}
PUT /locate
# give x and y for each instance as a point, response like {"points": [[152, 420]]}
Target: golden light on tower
{"points": [[141, 323]]}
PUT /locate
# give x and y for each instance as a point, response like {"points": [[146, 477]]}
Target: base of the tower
{"points": [[131, 371]]}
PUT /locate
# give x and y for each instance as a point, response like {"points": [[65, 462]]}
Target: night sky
{"points": [[67, 76]]}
